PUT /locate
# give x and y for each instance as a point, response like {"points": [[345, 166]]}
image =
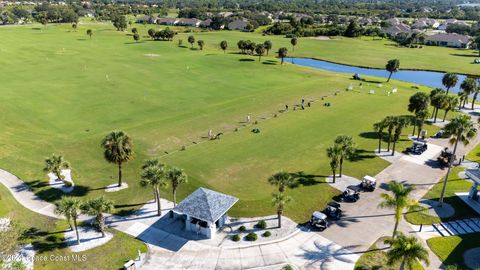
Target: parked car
{"points": [[351, 194], [333, 211], [368, 183], [319, 220], [417, 148]]}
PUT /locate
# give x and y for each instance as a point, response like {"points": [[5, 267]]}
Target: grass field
{"points": [[46, 235], [450, 249], [62, 92]]}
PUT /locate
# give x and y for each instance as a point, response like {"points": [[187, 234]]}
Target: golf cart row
{"points": [[333, 211]]}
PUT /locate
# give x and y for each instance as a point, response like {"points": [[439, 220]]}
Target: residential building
{"points": [[449, 40]]}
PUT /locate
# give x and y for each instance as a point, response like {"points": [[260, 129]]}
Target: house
{"points": [[238, 25], [225, 14], [206, 23], [204, 211], [448, 22], [396, 29], [449, 40], [167, 21], [189, 22], [86, 13], [424, 23], [146, 19], [393, 21]]}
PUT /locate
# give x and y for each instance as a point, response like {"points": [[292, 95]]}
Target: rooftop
{"points": [[206, 204]]}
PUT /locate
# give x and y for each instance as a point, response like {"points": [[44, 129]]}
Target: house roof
{"points": [[206, 204], [192, 21], [448, 37], [397, 28], [238, 24]]}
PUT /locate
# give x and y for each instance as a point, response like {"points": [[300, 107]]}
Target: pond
{"points": [[427, 78]]}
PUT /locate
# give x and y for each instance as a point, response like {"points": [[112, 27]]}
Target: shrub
{"points": [[251, 236], [267, 234], [261, 224], [287, 267], [236, 238], [242, 228]]}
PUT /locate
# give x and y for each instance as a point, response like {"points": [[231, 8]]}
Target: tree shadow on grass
{"points": [[269, 63], [362, 154], [54, 194], [465, 55], [81, 39], [305, 179], [246, 60]]}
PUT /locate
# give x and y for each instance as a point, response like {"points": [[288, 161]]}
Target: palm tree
{"points": [[260, 50], [282, 53], [118, 150], [392, 66], [348, 149], [282, 180], [224, 45], [70, 208], [459, 129], [279, 200], [421, 115], [451, 102], [56, 164], [399, 201], [475, 91], [418, 103], [401, 123], [449, 80], [177, 177], [268, 45], [406, 250], [390, 122], [294, 42], [97, 207], [468, 86], [154, 175], [333, 152], [379, 127], [438, 101], [90, 33]]}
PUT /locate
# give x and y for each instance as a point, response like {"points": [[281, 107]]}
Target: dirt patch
{"points": [[321, 38]]}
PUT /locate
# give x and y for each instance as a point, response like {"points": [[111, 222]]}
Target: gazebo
{"points": [[474, 175], [205, 210]]}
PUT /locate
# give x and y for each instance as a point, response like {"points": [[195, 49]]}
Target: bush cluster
{"points": [[251, 237], [261, 224], [236, 238]]}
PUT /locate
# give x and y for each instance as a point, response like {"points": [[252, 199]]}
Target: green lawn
{"points": [[62, 92], [376, 258], [455, 184], [46, 235], [450, 249]]}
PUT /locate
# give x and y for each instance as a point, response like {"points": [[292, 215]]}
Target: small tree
{"points": [[151, 33], [201, 43], [97, 207], [134, 30], [90, 33], [282, 53], [282, 180], [392, 66], [74, 26], [268, 45], [177, 177], [70, 207], [418, 103], [55, 164], [260, 50], [224, 45], [136, 37], [399, 200], [294, 42], [348, 148], [191, 40], [449, 80], [154, 175], [118, 150], [451, 102], [438, 102], [390, 122], [279, 200], [406, 250], [469, 85], [333, 153]]}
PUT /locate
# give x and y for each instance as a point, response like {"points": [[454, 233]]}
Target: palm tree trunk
{"points": [[341, 166], [448, 90], [389, 140], [76, 230], [402, 265], [101, 224], [473, 100], [450, 163], [174, 196], [445, 115], [414, 126], [433, 113], [435, 118], [393, 148], [397, 220], [389, 76], [282, 60], [119, 174], [70, 224], [159, 205], [279, 215], [334, 175], [379, 141]]}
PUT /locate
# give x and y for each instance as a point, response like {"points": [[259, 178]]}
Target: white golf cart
{"points": [[319, 220], [368, 183]]}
